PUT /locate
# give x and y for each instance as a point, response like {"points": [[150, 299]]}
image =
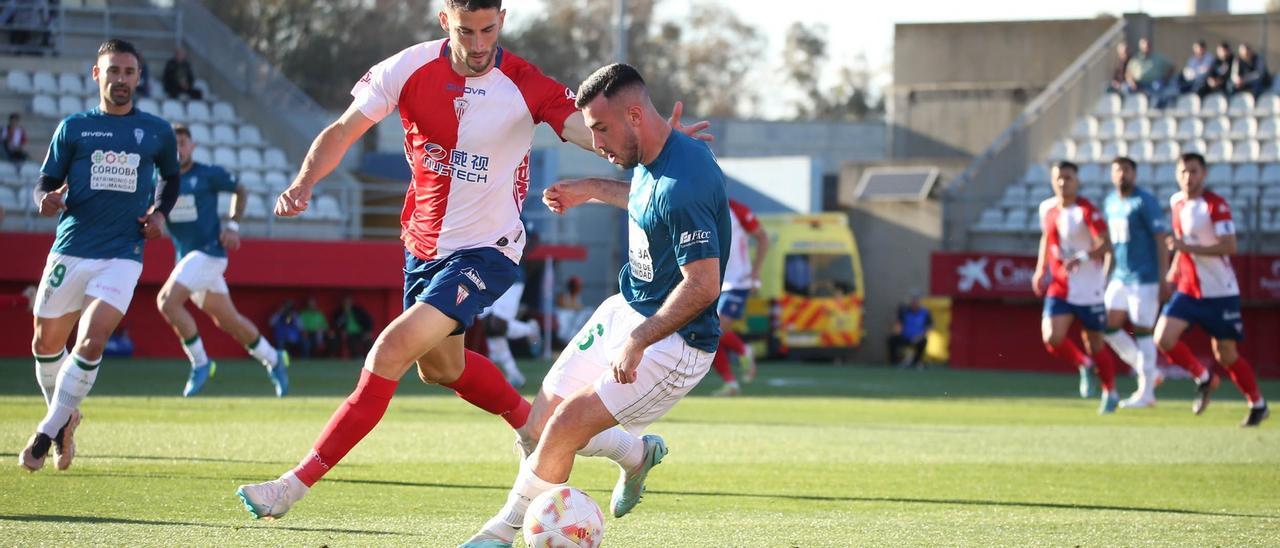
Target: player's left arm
{"points": [[166, 161], [230, 236], [698, 290], [1223, 226]]}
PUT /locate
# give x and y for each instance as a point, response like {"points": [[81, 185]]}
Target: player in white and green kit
{"points": [[1139, 261], [202, 240], [100, 175]]}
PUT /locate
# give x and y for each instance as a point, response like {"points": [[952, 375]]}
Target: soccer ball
{"points": [[563, 518]]}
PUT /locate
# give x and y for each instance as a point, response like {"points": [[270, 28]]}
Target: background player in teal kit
{"points": [[645, 348], [100, 173], [1138, 261], [202, 241]]}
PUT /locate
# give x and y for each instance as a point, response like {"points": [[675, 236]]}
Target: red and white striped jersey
{"points": [[467, 141], [742, 222], [1200, 221], [1070, 230]]}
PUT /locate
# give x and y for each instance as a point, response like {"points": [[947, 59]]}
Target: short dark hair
{"points": [[608, 80], [1063, 164], [1126, 161], [182, 129], [1192, 156], [1224, 45], [473, 5], [1200, 43], [116, 45]]}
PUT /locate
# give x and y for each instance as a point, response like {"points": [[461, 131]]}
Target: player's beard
{"points": [[483, 66], [122, 99], [629, 156]]}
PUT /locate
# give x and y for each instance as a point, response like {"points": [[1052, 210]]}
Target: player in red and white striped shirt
{"points": [[1204, 238], [1070, 277], [468, 109]]}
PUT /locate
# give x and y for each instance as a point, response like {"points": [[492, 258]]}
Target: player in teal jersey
{"points": [[645, 348], [100, 174], [202, 240], [1138, 262]]}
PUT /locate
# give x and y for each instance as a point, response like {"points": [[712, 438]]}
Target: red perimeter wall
{"points": [[995, 318], [262, 274]]}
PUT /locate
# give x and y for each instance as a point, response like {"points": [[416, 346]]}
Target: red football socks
{"points": [[1241, 373], [483, 386], [353, 420], [1105, 368], [721, 364], [732, 342], [1181, 356], [1067, 351]]}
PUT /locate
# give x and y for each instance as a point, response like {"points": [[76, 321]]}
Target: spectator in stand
{"points": [[353, 327], [314, 328], [284, 325], [1219, 78], [911, 330], [1250, 72], [1195, 74], [15, 138], [1119, 74], [1150, 73], [180, 78]]}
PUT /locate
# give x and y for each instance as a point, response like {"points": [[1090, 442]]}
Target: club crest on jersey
{"points": [[462, 294], [137, 135], [460, 106]]}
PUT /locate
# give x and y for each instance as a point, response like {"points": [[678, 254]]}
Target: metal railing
{"points": [[1028, 138]]}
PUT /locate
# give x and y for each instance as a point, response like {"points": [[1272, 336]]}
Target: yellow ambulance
{"points": [[809, 303]]}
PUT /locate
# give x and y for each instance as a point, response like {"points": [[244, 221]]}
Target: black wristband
{"points": [[49, 184]]}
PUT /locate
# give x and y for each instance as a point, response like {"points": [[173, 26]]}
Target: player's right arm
{"points": [[565, 195], [1037, 280], [50, 192], [322, 158]]}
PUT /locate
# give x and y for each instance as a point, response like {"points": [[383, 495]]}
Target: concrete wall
{"points": [[958, 85]]}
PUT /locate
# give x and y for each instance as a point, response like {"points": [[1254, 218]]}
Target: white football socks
{"points": [[511, 517], [74, 382], [1125, 347], [617, 445], [263, 352], [47, 368], [194, 348]]}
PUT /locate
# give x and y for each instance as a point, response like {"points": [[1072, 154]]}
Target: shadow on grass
{"points": [[170, 459], [130, 521]]}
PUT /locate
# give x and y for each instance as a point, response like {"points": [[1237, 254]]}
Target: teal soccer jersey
{"points": [[1134, 221], [109, 163], [677, 213], [194, 222]]}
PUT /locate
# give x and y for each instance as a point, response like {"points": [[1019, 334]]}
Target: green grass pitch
{"points": [[813, 456]]}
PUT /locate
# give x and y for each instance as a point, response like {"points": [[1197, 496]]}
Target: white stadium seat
{"points": [[1214, 104], [223, 134], [1245, 151], [1146, 173], [226, 158], [9, 199], [44, 82], [256, 207], [1108, 105], [69, 104], [19, 81], [1270, 153], [202, 155], [91, 103], [1268, 129], [1134, 105], [1111, 149], [173, 111], [1016, 220], [1166, 174], [1189, 128], [327, 208], [30, 171], [1243, 128], [1165, 127], [249, 136], [1194, 145], [45, 105], [1088, 151], [9, 173], [149, 106], [1141, 151], [198, 111], [1216, 128], [1036, 174], [1086, 128], [223, 112], [1090, 173], [1246, 174], [200, 134], [1062, 149], [1218, 174], [991, 220], [1186, 105], [276, 179], [253, 182], [1270, 176], [71, 84], [1014, 196], [250, 158], [1241, 104], [1270, 196], [1268, 104], [1165, 151], [1110, 128], [1137, 128], [1218, 151], [275, 159]]}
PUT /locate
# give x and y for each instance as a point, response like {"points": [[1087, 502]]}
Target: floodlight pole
{"points": [[620, 43]]}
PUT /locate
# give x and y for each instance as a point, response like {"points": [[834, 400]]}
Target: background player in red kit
{"points": [[741, 277], [468, 109], [1072, 246]]}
